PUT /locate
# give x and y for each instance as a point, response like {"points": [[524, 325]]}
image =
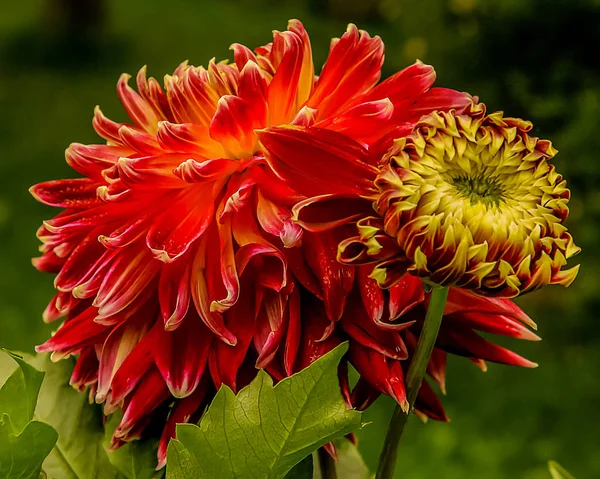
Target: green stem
{"points": [[414, 378]]}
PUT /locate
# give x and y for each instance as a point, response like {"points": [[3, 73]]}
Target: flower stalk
{"points": [[414, 378]]}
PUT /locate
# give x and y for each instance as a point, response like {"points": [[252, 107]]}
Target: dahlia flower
{"points": [[179, 267], [466, 199]]}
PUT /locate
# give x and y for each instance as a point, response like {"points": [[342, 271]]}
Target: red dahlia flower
{"points": [[179, 268]]}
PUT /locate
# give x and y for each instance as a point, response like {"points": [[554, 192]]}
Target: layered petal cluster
{"points": [[472, 201], [466, 199], [179, 268]]}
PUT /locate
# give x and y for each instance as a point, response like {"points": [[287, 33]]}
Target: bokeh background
{"points": [[536, 59]]}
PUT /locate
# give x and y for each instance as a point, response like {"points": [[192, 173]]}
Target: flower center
{"points": [[479, 189]]}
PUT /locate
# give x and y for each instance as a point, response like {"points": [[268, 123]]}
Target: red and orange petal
{"points": [[179, 267]]}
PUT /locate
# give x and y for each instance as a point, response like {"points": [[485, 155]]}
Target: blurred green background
{"points": [[59, 58]]}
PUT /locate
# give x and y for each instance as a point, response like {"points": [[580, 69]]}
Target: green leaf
{"points": [[135, 460], [181, 464], [303, 470], [18, 395], [264, 431], [79, 452], [21, 455], [558, 472], [24, 444], [350, 464]]}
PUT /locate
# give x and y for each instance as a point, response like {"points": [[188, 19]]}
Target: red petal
{"points": [[442, 99], [233, 126], [298, 266], [276, 220], [148, 173], [381, 372], [271, 265], [107, 129], [363, 394], [188, 138], [242, 55], [224, 360], [204, 281], [193, 171], [229, 274], [292, 81], [405, 295], [131, 272], [436, 368], [76, 333], [315, 325], [76, 193], [182, 355], [365, 122], [83, 262], [467, 343], [352, 68], [116, 348], [139, 110], [149, 394], [181, 413], [463, 301], [186, 218], [174, 292], [85, 372], [365, 331], [152, 92], [371, 294], [252, 88], [135, 366], [292, 341], [406, 85], [336, 279], [315, 161], [428, 403], [271, 324], [48, 263], [325, 212], [495, 324]]}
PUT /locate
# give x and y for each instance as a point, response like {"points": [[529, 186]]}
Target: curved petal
{"points": [[315, 161], [233, 126], [75, 193], [225, 360], [436, 99], [365, 122], [325, 212], [76, 333], [174, 292], [352, 68], [336, 279], [183, 221], [405, 85], [183, 354], [292, 82], [139, 110]]}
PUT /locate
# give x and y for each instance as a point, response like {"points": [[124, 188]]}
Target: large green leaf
{"points": [[79, 452], [19, 394], [22, 454], [24, 444], [264, 431]]}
